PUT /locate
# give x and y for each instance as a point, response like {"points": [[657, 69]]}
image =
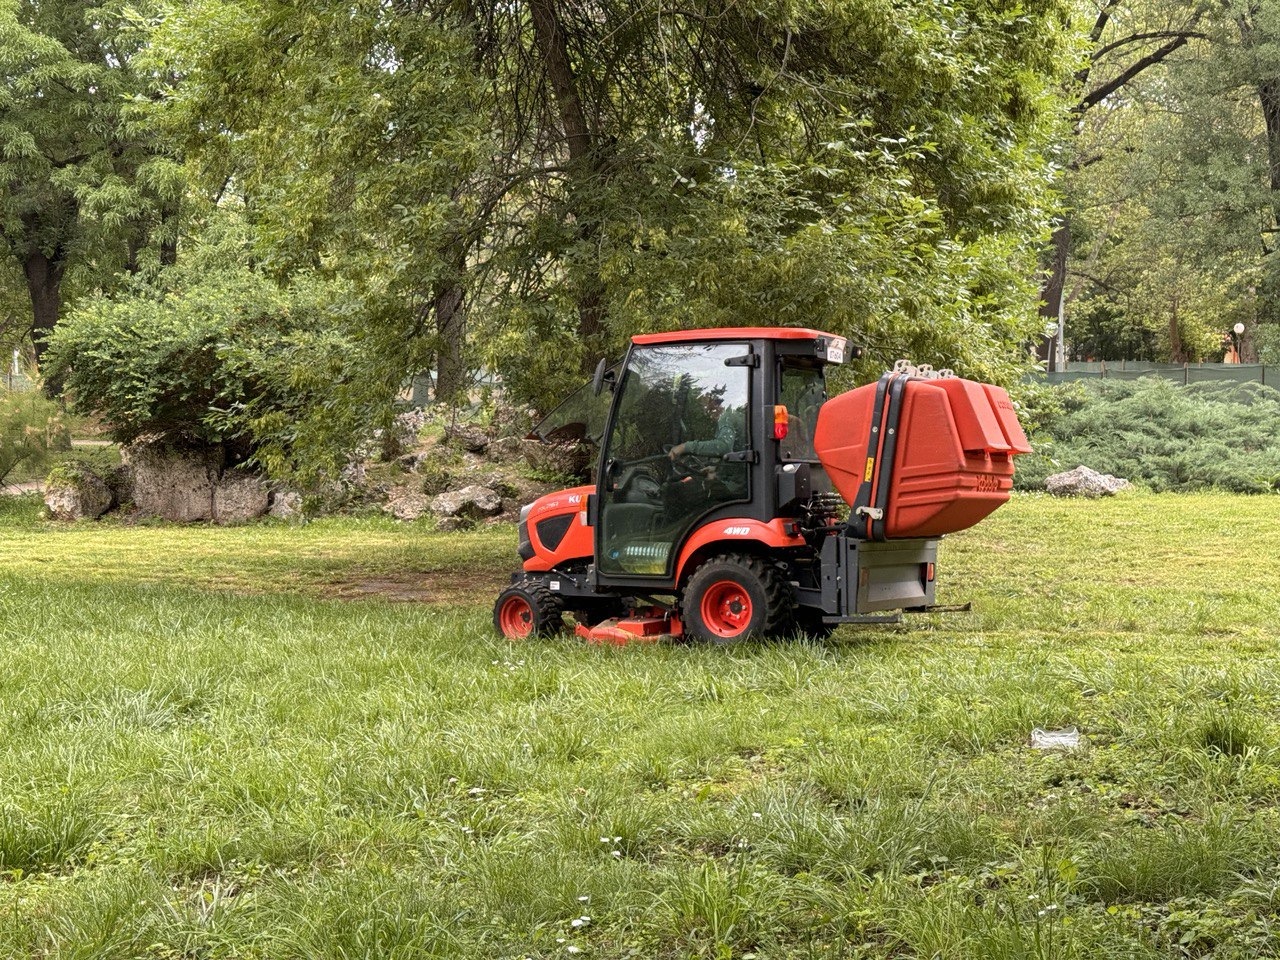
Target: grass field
{"points": [[208, 749]]}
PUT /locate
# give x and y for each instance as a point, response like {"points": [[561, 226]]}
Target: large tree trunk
{"points": [[1052, 292], [451, 367], [549, 34], [44, 284], [168, 235]]}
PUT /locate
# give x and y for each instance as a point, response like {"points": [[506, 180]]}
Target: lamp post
{"points": [[1237, 331]]}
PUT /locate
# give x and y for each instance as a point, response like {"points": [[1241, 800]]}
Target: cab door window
{"points": [[680, 412]]}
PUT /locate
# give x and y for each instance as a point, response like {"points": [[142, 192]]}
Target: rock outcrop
{"points": [[472, 502], [77, 496], [1084, 482], [187, 486]]}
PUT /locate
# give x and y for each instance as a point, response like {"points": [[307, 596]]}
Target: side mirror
{"points": [[602, 376]]}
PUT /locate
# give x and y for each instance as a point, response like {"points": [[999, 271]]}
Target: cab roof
{"points": [[733, 333]]}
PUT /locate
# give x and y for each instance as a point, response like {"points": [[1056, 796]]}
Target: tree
{"points": [[84, 190], [1124, 42], [566, 173]]}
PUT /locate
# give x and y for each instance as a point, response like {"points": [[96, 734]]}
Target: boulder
{"points": [[407, 504], [175, 485], [453, 524], [1083, 482], [412, 461], [471, 503], [470, 438], [506, 448], [77, 496], [285, 504], [239, 496]]}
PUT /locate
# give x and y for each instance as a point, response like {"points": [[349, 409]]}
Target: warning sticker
{"points": [[871, 467]]}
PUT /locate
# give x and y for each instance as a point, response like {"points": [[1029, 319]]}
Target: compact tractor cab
{"points": [[723, 476]]}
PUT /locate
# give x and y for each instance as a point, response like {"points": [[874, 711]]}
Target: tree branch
{"points": [[1111, 86], [1143, 37]]}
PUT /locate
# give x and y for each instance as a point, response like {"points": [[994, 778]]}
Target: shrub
{"points": [[1161, 434], [31, 427], [227, 358]]}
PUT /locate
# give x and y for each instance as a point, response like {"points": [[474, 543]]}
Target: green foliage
{"points": [[89, 190], [221, 354], [1160, 434], [31, 428], [876, 168]]}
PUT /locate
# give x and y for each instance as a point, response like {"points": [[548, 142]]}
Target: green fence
{"points": [[1178, 372]]}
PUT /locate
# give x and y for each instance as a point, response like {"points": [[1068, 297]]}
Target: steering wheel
{"points": [[687, 465]]}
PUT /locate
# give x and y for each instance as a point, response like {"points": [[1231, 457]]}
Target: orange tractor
{"points": [[723, 475]]}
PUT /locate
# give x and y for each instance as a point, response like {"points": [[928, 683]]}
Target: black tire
{"points": [[528, 609], [762, 605]]}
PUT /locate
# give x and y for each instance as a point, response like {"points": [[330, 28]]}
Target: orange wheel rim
{"points": [[726, 609], [516, 618]]}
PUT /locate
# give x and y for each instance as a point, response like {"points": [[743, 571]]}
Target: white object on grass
{"points": [[1055, 739]]}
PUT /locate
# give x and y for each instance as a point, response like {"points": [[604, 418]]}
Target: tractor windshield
{"points": [[579, 418], [680, 411]]}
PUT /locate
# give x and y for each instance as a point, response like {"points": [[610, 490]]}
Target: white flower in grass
{"points": [[584, 899], [572, 949], [580, 922], [476, 791], [453, 779], [755, 816], [617, 853]]}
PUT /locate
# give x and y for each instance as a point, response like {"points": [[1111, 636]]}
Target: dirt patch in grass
{"points": [[433, 586]]}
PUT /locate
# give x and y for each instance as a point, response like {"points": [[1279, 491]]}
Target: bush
{"points": [[229, 359], [1161, 434], [31, 427]]}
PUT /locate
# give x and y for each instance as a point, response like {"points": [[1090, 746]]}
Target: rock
{"points": [[285, 504], [1083, 482], [507, 448], [175, 485], [453, 524], [471, 502], [571, 459], [120, 480], [470, 438], [412, 461], [77, 495], [239, 496], [400, 437], [407, 504]]}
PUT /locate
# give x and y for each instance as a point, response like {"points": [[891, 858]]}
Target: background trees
{"points": [[516, 188], [86, 193]]}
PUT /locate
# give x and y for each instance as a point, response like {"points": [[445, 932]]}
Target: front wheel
{"points": [[735, 596], [527, 609]]}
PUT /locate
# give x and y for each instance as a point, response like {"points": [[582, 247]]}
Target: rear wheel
{"points": [[735, 596], [527, 609]]}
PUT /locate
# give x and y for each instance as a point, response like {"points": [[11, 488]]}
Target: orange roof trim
{"points": [[732, 333]]}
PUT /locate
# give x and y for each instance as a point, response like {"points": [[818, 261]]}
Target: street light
{"points": [[1237, 330]]}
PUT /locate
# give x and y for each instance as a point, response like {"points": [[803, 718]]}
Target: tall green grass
{"points": [[203, 755]]}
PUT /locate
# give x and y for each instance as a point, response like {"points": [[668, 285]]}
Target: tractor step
{"points": [[621, 631]]}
